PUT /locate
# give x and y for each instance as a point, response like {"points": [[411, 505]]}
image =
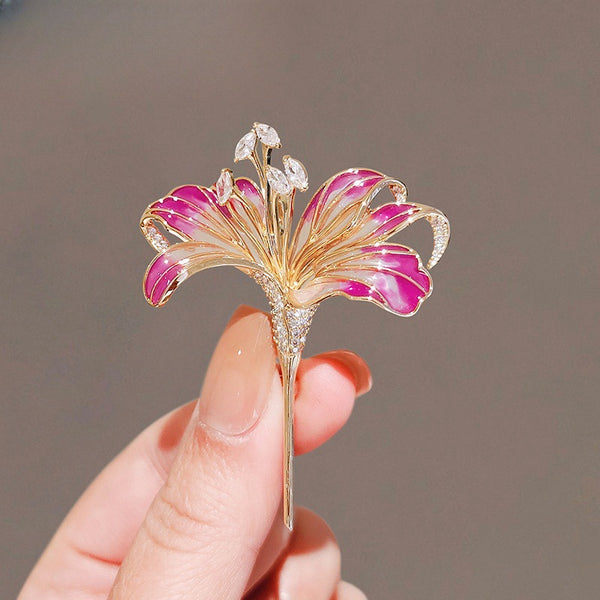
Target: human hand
{"points": [[191, 508]]}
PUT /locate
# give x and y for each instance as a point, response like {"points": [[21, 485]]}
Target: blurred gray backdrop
{"points": [[472, 469]]}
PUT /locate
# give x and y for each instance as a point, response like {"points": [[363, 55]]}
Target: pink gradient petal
{"points": [[179, 223], [251, 192], [162, 264], [171, 265], [406, 262], [390, 275], [183, 207], [400, 292], [200, 196], [347, 186], [187, 210], [390, 216], [312, 205], [350, 179], [168, 276], [341, 191], [360, 290], [358, 190]]}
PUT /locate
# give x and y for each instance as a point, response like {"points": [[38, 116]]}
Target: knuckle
{"points": [[174, 525]]}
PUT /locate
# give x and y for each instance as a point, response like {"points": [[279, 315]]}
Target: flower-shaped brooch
{"points": [[340, 247]]}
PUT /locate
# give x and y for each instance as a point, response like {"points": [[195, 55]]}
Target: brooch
{"points": [[340, 247]]}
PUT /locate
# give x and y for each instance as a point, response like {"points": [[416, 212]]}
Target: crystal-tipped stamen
{"points": [[267, 135]]}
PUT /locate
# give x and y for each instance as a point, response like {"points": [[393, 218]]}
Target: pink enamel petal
{"points": [[201, 197], [339, 245], [205, 199], [344, 210], [247, 218], [165, 267], [389, 219], [339, 194], [375, 227], [390, 216], [178, 217], [178, 262], [393, 258], [348, 182], [402, 294], [187, 212], [185, 222], [192, 213], [389, 275], [356, 190], [251, 192]]}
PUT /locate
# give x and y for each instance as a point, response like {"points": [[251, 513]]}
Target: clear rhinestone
{"points": [[399, 191], [278, 181], [441, 236], [155, 237], [267, 135], [290, 324], [224, 186], [296, 173], [245, 146]]}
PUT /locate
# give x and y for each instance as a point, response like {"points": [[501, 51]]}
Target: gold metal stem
{"points": [[270, 198], [283, 217], [289, 367]]}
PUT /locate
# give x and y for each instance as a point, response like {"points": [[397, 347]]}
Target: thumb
{"points": [[202, 534]]}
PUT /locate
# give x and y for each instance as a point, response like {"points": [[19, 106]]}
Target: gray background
{"points": [[472, 469]]}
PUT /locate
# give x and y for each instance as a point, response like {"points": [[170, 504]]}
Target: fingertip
{"points": [[312, 531], [243, 310], [312, 563], [353, 366], [347, 591], [326, 393]]}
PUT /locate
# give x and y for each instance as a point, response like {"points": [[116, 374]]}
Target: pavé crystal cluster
{"points": [[290, 324]]}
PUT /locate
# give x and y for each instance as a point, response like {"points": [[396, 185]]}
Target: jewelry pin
{"points": [[340, 247]]}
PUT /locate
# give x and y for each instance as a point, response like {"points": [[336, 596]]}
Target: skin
{"points": [[191, 508]]}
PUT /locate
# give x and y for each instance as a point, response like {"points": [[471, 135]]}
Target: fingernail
{"points": [[240, 374], [355, 365]]}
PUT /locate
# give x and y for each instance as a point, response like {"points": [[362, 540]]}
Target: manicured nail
{"points": [[354, 365], [240, 374]]}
